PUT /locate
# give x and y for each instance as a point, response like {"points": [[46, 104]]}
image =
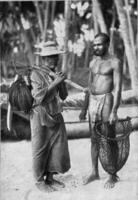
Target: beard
{"points": [[100, 51], [97, 52]]}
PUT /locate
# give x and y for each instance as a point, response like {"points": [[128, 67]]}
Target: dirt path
{"points": [[17, 180]]}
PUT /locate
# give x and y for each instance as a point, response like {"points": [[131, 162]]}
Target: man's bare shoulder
{"points": [[114, 58], [115, 62], [92, 62]]}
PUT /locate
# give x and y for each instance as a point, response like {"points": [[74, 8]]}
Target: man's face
{"points": [[100, 48], [52, 61]]}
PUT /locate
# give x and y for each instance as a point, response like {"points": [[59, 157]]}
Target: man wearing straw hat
{"points": [[49, 140], [105, 78]]}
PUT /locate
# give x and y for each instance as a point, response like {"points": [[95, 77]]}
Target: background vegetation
{"points": [[72, 24]]}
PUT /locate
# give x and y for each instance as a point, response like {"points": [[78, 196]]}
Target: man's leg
{"points": [[110, 183], [94, 157], [38, 139]]}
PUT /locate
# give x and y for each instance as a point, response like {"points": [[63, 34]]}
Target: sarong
{"points": [[49, 146], [96, 103]]}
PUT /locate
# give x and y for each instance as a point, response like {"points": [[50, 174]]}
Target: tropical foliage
{"points": [[72, 24]]}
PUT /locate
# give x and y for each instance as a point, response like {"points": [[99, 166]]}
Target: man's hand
{"points": [[55, 75], [82, 115], [60, 77], [113, 117]]}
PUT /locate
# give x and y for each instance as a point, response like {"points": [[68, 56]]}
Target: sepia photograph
{"points": [[69, 100]]}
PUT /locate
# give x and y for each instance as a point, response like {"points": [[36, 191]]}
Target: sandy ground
{"points": [[17, 180]]}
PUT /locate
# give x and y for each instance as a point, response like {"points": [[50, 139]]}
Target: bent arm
{"points": [[41, 89]]}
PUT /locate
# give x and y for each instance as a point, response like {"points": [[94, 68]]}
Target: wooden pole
{"points": [[67, 17], [100, 17], [112, 29], [53, 13], [127, 43], [39, 16], [46, 18], [95, 23], [87, 51], [131, 33], [137, 35]]}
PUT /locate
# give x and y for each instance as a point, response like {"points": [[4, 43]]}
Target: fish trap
{"points": [[114, 144]]}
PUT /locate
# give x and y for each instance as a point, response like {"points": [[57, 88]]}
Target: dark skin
{"points": [[105, 77]]}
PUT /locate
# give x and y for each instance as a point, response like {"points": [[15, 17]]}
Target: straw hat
{"points": [[47, 49]]}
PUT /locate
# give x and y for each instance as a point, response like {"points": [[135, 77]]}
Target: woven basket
{"points": [[114, 144]]}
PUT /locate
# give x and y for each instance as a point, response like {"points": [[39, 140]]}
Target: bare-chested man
{"points": [[102, 98]]}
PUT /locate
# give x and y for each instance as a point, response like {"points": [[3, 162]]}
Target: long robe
{"points": [[49, 140]]}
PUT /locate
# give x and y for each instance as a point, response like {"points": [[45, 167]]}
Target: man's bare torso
{"points": [[101, 75]]}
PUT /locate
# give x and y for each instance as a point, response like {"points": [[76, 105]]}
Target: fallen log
{"points": [[75, 129], [130, 95], [77, 100]]}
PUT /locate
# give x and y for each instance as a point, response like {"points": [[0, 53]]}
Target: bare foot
{"points": [[54, 183], [91, 178], [111, 181], [42, 186]]}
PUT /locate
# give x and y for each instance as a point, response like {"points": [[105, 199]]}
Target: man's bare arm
{"points": [[84, 109], [117, 80]]}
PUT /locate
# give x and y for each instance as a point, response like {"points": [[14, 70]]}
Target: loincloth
{"points": [[96, 103]]}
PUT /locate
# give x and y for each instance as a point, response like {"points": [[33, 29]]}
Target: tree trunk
{"points": [[127, 43], [4, 69], [112, 29], [27, 43], [131, 32], [87, 51], [95, 23], [99, 16], [137, 36], [28, 52], [39, 16], [37, 57], [46, 18], [67, 17], [52, 14]]}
